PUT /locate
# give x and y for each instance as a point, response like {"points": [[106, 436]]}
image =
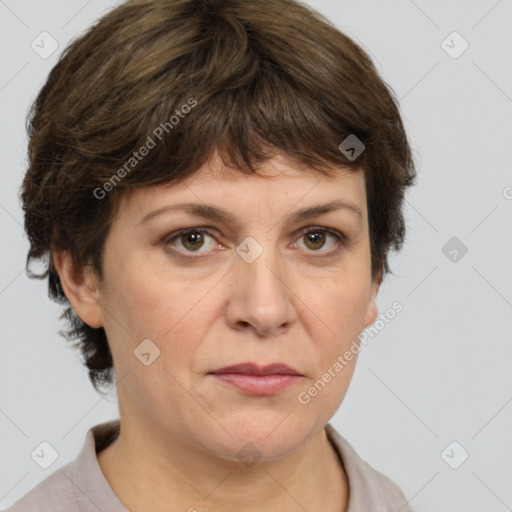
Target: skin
{"points": [[182, 428]]}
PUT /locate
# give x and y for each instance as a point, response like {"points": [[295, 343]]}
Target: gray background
{"points": [[439, 372]]}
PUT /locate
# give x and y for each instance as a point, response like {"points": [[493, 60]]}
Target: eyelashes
{"points": [[193, 240], [202, 232]]}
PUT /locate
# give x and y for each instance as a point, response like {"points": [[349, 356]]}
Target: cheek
{"points": [[166, 313], [148, 300], [343, 305], [344, 296], [172, 313], [340, 304]]}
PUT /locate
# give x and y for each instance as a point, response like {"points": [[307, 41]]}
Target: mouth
{"points": [[252, 379]]}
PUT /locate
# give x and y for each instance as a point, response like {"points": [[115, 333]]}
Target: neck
{"points": [[151, 471]]}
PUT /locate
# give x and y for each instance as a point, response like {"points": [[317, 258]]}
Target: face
{"points": [[255, 284]]}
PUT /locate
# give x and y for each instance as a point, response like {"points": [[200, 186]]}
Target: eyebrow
{"points": [[219, 214]]}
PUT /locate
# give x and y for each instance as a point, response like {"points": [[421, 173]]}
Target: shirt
{"points": [[80, 486]]}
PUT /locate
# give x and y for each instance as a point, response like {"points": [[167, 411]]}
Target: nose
{"points": [[260, 297]]}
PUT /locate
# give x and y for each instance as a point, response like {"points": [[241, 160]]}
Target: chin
{"points": [[267, 435]]}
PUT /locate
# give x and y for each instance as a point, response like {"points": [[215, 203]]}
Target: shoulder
{"points": [[55, 493], [78, 486], [369, 489]]}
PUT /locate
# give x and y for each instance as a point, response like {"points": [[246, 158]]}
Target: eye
{"points": [[191, 240], [316, 238]]}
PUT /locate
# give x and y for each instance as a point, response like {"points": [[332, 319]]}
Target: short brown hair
{"points": [[257, 76]]}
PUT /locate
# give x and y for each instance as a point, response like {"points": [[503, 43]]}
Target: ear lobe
{"points": [[80, 287], [371, 308]]}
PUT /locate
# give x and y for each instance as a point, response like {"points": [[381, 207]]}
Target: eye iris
{"points": [[196, 238], [315, 237]]}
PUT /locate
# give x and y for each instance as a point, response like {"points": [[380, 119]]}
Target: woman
{"points": [[216, 186]]}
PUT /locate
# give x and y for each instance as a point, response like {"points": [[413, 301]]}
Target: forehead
{"points": [[280, 184]]}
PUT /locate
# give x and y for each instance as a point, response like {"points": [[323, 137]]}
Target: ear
{"points": [[80, 286], [371, 309]]}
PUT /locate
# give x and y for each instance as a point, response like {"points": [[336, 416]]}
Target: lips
{"points": [[252, 379], [254, 369]]}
